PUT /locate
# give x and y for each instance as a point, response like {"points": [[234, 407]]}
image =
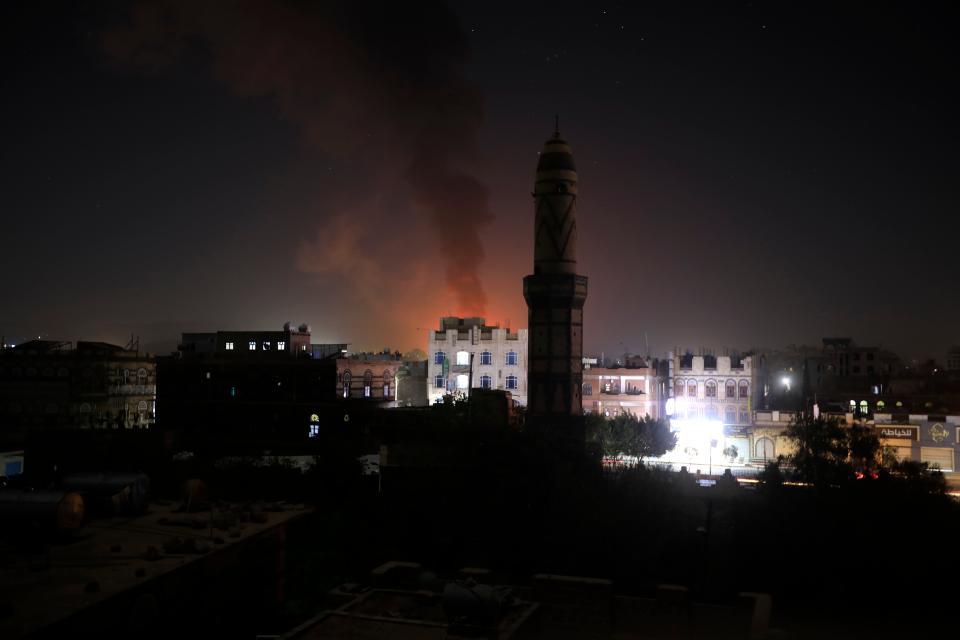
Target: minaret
{"points": [[555, 293]]}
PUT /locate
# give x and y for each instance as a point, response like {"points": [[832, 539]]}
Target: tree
{"points": [[627, 435], [821, 450]]}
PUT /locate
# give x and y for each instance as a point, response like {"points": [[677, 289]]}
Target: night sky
{"points": [[751, 174]]}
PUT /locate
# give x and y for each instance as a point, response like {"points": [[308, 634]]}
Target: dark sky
{"points": [[751, 174]]}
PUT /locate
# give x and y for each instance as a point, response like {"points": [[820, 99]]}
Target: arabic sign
{"points": [[898, 431], [938, 433]]}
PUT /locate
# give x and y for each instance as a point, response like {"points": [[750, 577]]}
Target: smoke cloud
{"points": [[379, 85]]}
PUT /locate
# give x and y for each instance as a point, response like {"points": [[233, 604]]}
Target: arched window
{"points": [[486, 357], [142, 373], [692, 388], [511, 382], [731, 389], [387, 378], [486, 382], [864, 408], [511, 357], [439, 357], [346, 384], [710, 389], [678, 387], [730, 415], [367, 383], [744, 389], [142, 406], [763, 449]]}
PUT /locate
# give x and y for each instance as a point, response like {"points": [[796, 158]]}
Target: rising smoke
{"points": [[378, 84]]}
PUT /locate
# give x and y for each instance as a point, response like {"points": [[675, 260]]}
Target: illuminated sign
{"points": [[938, 433], [898, 431]]}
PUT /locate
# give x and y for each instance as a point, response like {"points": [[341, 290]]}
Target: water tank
{"points": [[61, 511], [115, 492]]}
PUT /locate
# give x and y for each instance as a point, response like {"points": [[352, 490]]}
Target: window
{"points": [[314, 430], [366, 391], [744, 389], [710, 389], [253, 345], [864, 408], [486, 357], [281, 346], [511, 382], [229, 346], [744, 417], [346, 384], [233, 392], [587, 389], [386, 390], [511, 357], [730, 415], [462, 381], [463, 357], [678, 388], [692, 388], [266, 346], [439, 357], [731, 389], [367, 383], [712, 412], [486, 382], [438, 382], [141, 373]]}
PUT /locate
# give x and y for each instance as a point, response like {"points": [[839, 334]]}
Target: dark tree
{"points": [[627, 435]]}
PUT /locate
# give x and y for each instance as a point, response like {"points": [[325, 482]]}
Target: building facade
{"points": [[713, 388], [629, 389], [495, 357], [46, 383], [369, 376]]}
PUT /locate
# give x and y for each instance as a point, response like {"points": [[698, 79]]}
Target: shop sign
{"points": [[938, 433], [898, 431]]}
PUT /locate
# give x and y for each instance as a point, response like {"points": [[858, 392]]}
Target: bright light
{"points": [[463, 357], [785, 380], [462, 381], [671, 402]]}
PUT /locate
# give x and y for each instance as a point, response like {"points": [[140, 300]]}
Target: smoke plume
{"points": [[379, 85]]}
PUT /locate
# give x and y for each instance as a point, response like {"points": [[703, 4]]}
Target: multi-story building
{"points": [[632, 388], [715, 388], [249, 384], [371, 376], [495, 357], [50, 384]]}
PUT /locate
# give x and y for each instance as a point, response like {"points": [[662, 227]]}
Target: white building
{"points": [[498, 357], [713, 388]]}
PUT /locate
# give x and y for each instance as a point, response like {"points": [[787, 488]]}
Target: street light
{"points": [[785, 381]]}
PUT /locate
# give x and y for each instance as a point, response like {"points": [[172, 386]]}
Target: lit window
{"points": [[281, 346], [366, 391], [314, 430], [253, 345], [438, 382], [692, 389], [511, 382], [439, 357], [710, 389], [462, 381], [386, 391], [233, 392], [864, 408], [346, 384], [587, 389], [744, 389], [229, 346], [511, 357], [486, 357], [486, 382], [463, 357], [266, 346]]}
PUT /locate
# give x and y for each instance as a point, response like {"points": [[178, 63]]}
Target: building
{"points": [[632, 388], [51, 384], [714, 388], [555, 293], [934, 439], [495, 357], [953, 359], [370, 376], [249, 384]]}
